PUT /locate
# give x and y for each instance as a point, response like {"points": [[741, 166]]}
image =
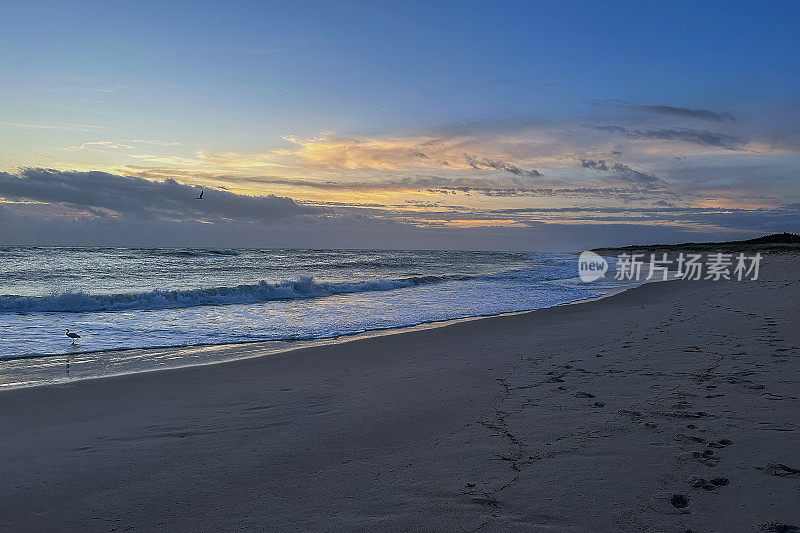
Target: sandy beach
{"points": [[670, 407], [490, 266]]}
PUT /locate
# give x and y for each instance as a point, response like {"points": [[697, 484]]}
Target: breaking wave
{"points": [[306, 287], [263, 291]]}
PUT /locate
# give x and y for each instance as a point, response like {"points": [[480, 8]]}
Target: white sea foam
{"points": [[134, 298], [305, 287]]}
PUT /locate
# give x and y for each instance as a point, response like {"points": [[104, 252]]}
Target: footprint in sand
{"points": [[713, 484], [721, 443], [670, 504], [679, 501], [779, 470], [708, 456]]}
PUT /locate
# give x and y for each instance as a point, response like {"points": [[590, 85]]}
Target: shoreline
{"points": [[665, 408], [271, 347]]}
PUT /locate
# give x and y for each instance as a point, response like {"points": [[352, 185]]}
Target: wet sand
{"points": [[670, 407]]}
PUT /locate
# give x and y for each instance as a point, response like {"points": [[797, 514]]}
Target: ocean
{"points": [[123, 298]]}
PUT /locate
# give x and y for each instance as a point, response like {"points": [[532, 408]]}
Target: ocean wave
{"points": [[306, 287], [263, 291], [199, 253]]}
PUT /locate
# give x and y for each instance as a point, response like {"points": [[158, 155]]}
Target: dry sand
{"points": [[670, 407]]}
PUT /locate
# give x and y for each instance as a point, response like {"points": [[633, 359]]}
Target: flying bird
{"points": [[201, 195], [73, 336]]}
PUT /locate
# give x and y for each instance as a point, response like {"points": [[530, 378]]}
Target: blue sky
{"points": [[273, 98]]}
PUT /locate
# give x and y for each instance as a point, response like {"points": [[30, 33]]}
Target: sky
{"points": [[481, 125]]}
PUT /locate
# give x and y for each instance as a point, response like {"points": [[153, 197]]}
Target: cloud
{"points": [[622, 172], [46, 206], [68, 127], [670, 110], [392, 183], [439, 185], [336, 179], [336, 154], [684, 112], [396, 154], [487, 163], [595, 165], [351, 232], [502, 148], [662, 215], [97, 145], [700, 137], [156, 142], [115, 195], [361, 153]]}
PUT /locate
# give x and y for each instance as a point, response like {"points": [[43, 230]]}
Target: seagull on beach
{"points": [[201, 195], [73, 336]]}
